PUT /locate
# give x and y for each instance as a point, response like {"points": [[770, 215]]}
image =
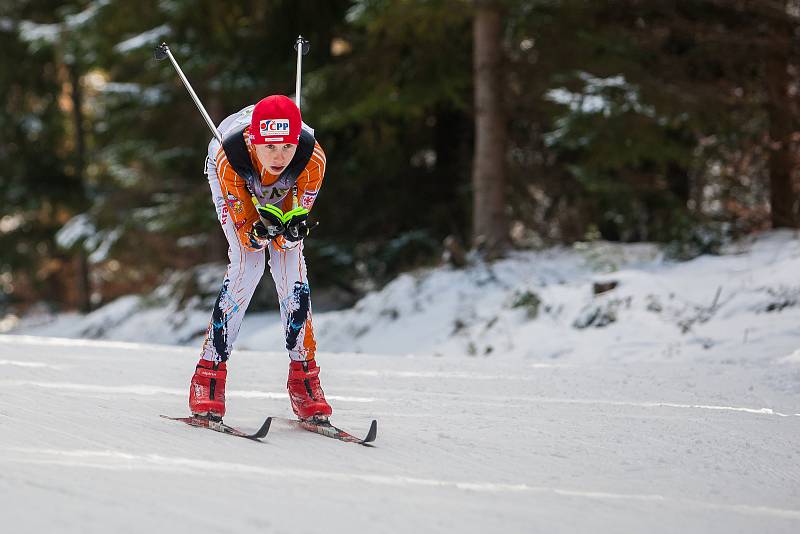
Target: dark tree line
{"points": [[496, 123]]}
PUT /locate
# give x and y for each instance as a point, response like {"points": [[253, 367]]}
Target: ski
{"points": [[219, 426], [325, 428]]}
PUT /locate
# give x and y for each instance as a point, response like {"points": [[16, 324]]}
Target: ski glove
{"points": [[272, 220], [292, 225], [259, 235], [296, 227]]}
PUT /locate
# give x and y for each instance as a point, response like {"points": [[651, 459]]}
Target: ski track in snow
{"points": [[464, 444], [155, 390], [28, 364], [113, 460]]}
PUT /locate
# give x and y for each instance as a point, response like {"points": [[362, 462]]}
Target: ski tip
{"points": [[172, 418], [372, 434], [264, 430]]}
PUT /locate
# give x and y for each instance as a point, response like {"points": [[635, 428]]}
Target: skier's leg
{"points": [[245, 269], [288, 268]]}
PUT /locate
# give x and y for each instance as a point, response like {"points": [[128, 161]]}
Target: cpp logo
{"points": [[271, 127]]}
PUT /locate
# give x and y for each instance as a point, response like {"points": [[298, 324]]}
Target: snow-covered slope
{"points": [[541, 306], [481, 444], [537, 306]]}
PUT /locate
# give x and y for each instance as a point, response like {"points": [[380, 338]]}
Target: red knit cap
{"points": [[276, 120]]}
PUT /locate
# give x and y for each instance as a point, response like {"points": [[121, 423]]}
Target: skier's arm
{"points": [[309, 182], [238, 204]]}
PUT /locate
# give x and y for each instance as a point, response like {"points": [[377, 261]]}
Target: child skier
{"points": [[264, 178]]}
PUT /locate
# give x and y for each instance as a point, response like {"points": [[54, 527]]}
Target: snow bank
{"points": [[594, 301]]}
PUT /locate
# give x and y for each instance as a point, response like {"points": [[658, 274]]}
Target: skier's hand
{"points": [[296, 227], [272, 220], [259, 235]]}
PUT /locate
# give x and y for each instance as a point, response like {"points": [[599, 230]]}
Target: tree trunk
{"points": [[83, 283], [783, 199], [452, 142], [490, 224]]}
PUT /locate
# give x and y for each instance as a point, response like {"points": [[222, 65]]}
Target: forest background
{"points": [[449, 126]]}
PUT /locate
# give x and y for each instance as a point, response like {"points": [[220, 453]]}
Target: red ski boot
{"points": [[207, 390], [308, 399]]}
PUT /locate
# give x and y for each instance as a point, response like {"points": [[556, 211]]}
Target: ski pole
{"points": [[162, 52], [302, 47]]}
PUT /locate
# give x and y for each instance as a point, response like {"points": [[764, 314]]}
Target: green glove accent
{"points": [[274, 213], [296, 212]]}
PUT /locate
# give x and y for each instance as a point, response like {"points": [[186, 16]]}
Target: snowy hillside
{"points": [[509, 399], [539, 306]]}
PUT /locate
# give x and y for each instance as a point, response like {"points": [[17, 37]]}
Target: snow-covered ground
{"points": [[538, 306], [509, 398], [464, 445]]}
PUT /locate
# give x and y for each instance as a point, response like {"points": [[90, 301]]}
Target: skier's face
{"points": [[275, 158]]}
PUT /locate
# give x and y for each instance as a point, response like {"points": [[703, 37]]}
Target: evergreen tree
{"points": [[41, 181]]}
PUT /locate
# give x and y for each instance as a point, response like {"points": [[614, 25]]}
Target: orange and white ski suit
{"points": [[236, 177]]}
